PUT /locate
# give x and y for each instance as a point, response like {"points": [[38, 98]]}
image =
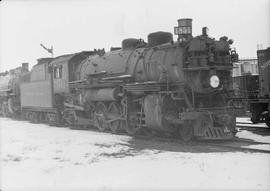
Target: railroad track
{"points": [[253, 128], [258, 130], [258, 125]]}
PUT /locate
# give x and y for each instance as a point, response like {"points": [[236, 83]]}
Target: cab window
{"points": [[57, 72]]}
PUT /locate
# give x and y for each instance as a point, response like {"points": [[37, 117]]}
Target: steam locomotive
{"points": [[10, 81], [175, 88]]}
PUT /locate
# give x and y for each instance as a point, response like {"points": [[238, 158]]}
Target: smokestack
{"points": [[205, 32], [25, 67]]}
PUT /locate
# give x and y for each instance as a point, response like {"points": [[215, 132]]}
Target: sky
{"points": [[77, 25]]}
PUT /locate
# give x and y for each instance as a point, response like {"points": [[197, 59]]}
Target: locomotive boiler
{"points": [[158, 86]]}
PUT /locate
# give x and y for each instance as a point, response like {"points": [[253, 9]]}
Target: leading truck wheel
{"points": [[255, 118], [115, 109], [186, 132], [267, 121], [131, 125]]}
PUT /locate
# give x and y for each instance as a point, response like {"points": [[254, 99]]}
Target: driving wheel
{"points": [[131, 125], [101, 116], [115, 112]]}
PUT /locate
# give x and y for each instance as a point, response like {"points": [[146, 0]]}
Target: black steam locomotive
{"points": [[10, 105], [158, 86]]}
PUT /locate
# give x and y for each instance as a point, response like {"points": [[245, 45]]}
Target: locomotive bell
{"points": [[25, 67]]}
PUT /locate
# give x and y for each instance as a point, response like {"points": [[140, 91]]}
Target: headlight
{"points": [[214, 81]]}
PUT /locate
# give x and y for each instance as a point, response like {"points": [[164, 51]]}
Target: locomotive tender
{"points": [[158, 86]]}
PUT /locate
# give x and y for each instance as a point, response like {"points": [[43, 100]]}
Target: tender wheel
{"points": [[131, 126], [27, 115], [101, 116], [255, 118], [34, 117], [115, 112], [30, 116], [186, 132], [5, 112]]}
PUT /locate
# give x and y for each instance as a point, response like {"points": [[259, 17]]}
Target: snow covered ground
{"points": [[40, 157]]}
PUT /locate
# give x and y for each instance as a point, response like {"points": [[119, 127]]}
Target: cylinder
{"points": [[106, 94]]}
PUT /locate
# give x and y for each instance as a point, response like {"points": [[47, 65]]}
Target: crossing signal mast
{"points": [[49, 50]]}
